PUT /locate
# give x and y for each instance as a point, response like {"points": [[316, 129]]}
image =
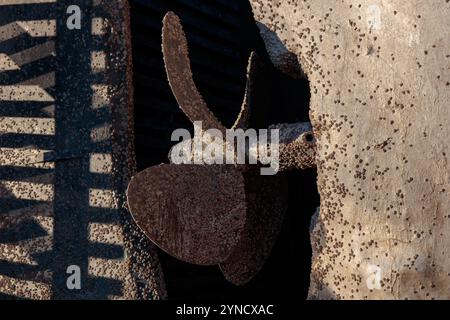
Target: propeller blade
{"points": [[179, 73], [253, 75], [195, 213], [266, 206]]}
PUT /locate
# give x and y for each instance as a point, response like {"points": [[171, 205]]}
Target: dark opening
{"points": [[309, 137], [221, 35]]}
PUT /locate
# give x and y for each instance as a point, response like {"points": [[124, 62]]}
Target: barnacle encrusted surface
{"points": [[379, 75]]}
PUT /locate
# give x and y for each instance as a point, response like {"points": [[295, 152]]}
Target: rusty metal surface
{"points": [[266, 199], [178, 67], [243, 119], [195, 213], [297, 146], [173, 215]]}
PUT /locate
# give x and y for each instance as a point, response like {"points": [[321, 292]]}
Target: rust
{"points": [[66, 167], [243, 118], [195, 213], [217, 214]]}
